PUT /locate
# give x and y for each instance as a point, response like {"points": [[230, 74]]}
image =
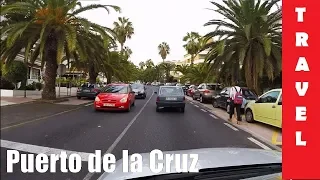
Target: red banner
{"points": [[301, 88]]}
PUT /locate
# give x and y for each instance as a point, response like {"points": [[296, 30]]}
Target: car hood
{"points": [[207, 158], [111, 96]]}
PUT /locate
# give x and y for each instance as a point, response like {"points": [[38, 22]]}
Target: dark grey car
{"points": [[170, 97], [88, 91]]}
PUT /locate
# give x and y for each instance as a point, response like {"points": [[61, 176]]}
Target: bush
{"points": [[15, 71], [5, 84]]}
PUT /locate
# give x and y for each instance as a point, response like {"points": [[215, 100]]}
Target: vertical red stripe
{"points": [[301, 162]]}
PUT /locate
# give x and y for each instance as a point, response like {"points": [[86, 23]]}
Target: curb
{"points": [[243, 129]]}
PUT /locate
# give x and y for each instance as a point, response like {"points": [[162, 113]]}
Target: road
{"points": [[81, 129]]}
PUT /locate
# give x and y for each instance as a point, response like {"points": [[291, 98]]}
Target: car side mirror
{"points": [[258, 101], [279, 103], [155, 92]]}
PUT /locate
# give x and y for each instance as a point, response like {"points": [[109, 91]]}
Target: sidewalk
{"points": [[268, 134]]}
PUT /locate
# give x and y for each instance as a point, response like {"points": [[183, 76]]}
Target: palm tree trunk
{"points": [[92, 75], [192, 60], [51, 66], [109, 78]]}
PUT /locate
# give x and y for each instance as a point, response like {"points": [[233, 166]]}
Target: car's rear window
{"points": [[171, 91], [214, 87], [247, 93], [137, 86], [122, 89]]}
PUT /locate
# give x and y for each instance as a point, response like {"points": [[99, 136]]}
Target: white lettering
{"points": [[301, 113], [94, 162], [302, 88], [63, 162], [299, 141], [136, 163], [74, 163], [194, 162], [156, 167], [109, 161], [300, 11], [53, 161], [302, 64], [42, 163], [125, 161], [169, 159], [301, 39], [13, 157], [183, 163], [27, 163]]}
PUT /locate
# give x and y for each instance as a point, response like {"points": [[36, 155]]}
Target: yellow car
{"points": [[267, 109]]}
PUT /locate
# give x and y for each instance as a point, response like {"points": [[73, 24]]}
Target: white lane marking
{"points": [[88, 104], [230, 126], [41, 118], [196, 106], [115, 143], [203, 110], [191, 102], [259, 143], [40, 149], [213, 116]]}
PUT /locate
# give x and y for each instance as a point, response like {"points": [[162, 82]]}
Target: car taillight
{"points": [[206, 91], [158, 99]]}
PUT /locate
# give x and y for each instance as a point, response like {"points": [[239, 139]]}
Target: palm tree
{"points": [[124, 30], [193, 44], [141, 64], [54, 29], [198, 74], [164, 50], [183, 69], [167, 67], [249, 38]]}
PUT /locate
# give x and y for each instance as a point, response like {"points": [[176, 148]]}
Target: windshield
{"points": [[121, 89], [247, 93], [214, 87], [171, 91], [137, 86]]}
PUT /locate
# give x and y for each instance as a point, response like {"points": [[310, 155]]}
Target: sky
{"points": [[156, 21]]}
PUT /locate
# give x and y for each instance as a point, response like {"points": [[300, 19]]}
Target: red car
{"points": [[191, 90], [115, 97]]}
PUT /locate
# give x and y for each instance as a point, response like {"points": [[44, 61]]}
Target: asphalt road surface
{"points": [[81, 129]]}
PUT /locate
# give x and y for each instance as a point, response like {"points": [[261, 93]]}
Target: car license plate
{"points": [[171, 99], [109, 105], [86, 90]]}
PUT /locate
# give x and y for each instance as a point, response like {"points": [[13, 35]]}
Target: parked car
{"points": [[170, 97], [267, 109], [223, 98], [88, 90], [184, 88], [139, 90], [191, 90], [115, 97], [205, 91]]}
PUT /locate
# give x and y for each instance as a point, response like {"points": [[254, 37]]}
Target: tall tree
{"points": [[164, 50], [249, 37], [167, 67], [55, 28], [124, 30], [193, 44]]}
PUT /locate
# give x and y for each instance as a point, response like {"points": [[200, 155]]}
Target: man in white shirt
{"points": [[233, 91]]}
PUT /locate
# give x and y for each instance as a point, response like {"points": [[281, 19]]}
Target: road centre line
{"points": [[115, 143], [203, 110], [230, 126], [40, 149], [41, 118], [259, 143], [213, 116]]}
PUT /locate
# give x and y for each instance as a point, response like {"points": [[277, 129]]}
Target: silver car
{"points": [[212, 163], [206, 91]]}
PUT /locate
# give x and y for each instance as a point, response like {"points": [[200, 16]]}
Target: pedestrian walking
{"points": [[236, 100]]}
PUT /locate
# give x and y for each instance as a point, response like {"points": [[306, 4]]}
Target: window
{"points": [[172, 91], [213, 87], [121, 89], [280, 99], [224, 90], [137, 86], [270, 97]]}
